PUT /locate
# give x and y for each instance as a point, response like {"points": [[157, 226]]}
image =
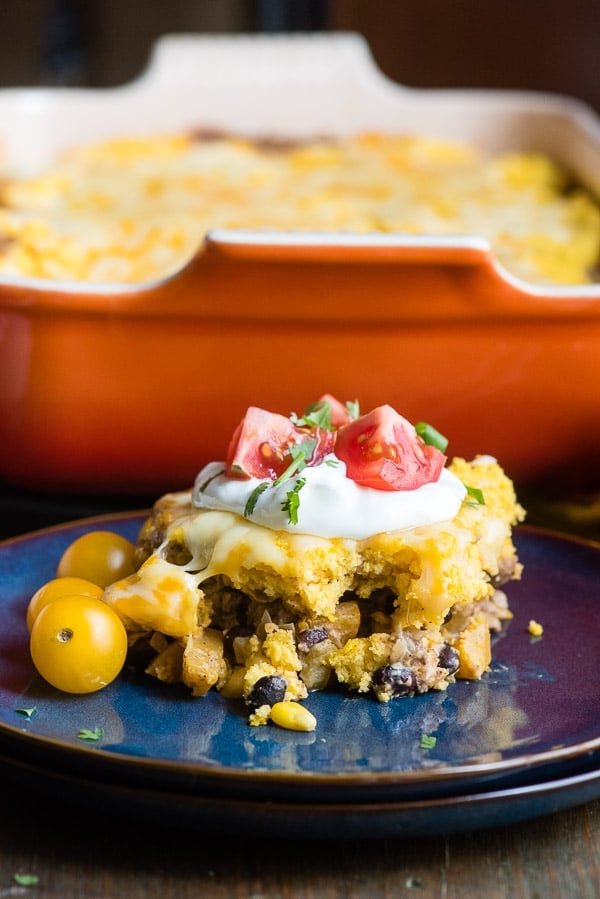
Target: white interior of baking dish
{"points": [[293, 86]]}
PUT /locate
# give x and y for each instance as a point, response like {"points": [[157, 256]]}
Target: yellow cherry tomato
{"points": [[78, 644], [54, 589], [99, 556]]}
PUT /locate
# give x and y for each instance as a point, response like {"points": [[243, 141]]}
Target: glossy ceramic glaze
{"points": [[133, 390], [533, 718], [222, 814]]}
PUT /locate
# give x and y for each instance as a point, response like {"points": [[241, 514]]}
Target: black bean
{"points": [[310, 637], [448, 658], [267, 691], [395, 680]]}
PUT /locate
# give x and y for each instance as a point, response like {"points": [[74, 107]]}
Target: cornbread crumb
{"points": [[360, 658], [474, 650], [535, 628]]}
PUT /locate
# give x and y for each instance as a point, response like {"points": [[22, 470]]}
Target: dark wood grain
{"points": [[434, 43], [78, 854]]}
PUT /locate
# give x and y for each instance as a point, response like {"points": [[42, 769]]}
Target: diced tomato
{"points": [[383, 450], [260, 446]]}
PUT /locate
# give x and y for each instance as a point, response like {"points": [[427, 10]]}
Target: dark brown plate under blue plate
{"points": [[533, 718], [224, 814]]}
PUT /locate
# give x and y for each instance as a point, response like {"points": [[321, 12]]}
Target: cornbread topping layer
{"points": [[268, 613], [135, 209]]}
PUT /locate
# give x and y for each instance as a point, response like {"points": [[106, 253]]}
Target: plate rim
{"points": [[418, 816]]}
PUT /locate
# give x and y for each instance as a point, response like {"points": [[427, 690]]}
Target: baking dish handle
{"points": [[259, 277], [266, 275], [251, 61]]}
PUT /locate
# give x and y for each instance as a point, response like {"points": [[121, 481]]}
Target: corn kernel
{"points": [[293, 716]]}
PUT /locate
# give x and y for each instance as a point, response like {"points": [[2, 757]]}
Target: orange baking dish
{"points": [[132, 388]]}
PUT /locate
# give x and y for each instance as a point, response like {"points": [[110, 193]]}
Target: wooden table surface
{"points": [[91, 855], [73, 852]]}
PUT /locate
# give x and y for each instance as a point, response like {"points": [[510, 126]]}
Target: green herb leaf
{"points": [[301, 454], [427, 741], [475, 495], [27, 713], [353, 409], [213, 477], [253, 498], [26, 880], [430, 436], [291, 504], [317, 415], [91, 736]]}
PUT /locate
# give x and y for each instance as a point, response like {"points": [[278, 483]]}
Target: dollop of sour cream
{"points": [[330, 503]]}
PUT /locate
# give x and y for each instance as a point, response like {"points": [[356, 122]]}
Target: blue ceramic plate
{"points": [[534, 717]]}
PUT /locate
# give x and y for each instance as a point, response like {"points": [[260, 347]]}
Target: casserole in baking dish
{"points": [[135, 209], [109, 380]]}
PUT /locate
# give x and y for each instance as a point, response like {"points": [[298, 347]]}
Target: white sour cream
{"points": [[331, 505]]}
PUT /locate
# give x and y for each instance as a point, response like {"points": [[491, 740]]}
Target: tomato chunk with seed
{"points": [[383, 450], [260, 445]]}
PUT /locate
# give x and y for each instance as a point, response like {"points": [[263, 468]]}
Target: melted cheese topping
{"points": [[429, 568], [136, 209]]}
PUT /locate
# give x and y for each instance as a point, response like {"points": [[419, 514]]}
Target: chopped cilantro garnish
{"points": [[301, 454], [26, 880], [427, 741], [27, 713], [317, 415], [253, 498], [430, 436], [291, 504], [91, 735], [353, 409], [203, 486], [475, 496]]}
